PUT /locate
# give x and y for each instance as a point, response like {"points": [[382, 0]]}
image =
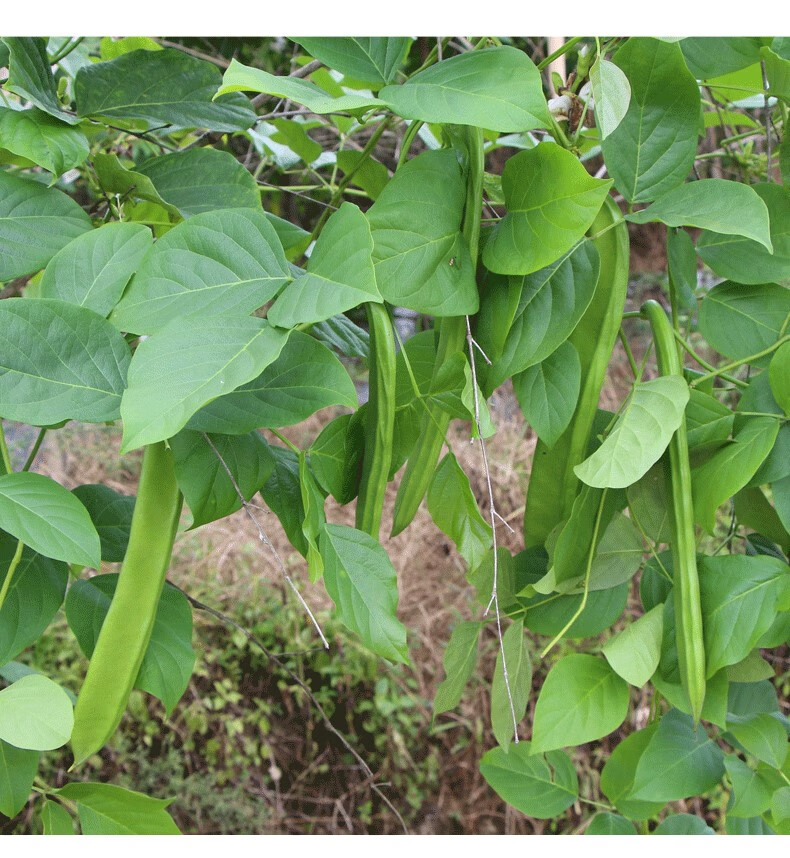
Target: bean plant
{"points": [[151, 280]]}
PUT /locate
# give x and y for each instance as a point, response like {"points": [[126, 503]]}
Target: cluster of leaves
{"points": [[144, 302]]}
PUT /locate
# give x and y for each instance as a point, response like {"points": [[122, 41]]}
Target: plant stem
{"points": [[20, 546], [568, 46], [5, 458], [291, 446], [738, 363], [408, 139], [31, 456], [67, 48], [702, 362], [628, 353]]}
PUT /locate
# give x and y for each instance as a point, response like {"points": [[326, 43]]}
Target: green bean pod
{"points": [[452, 339], [688, 610], [380, 421], [127, 627], [553, 485]]}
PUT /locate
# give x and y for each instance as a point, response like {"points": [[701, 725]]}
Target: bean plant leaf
{"points": [[514, 654], [617, 776], [541, 786], [92, 270], [371, 60], [201, 180], [551, 202], [777, 71], [42, 139], [454, 509], [363, 585], [111, 514], [335, 460], [283, 495], [634, 653], [304, 378], [341, 334], [739, 597], [582, 699], [32, 599], [653, 149], [745, 260], [497, 88], [739, 321], [55, 819], [48, 518], [610, 823], [640, 435], [679, 761], [460, 657], [682, 267], [35, 223], [30, 75], [552, 302], [611, 96], [779, 375], [751, 789], [316, 100], [214, 263], [729, 469], [763, 737], [547, 392], [339, 276], [35, 714], [728, 208], [156, 88], [203, 480], [181, 368], [115, 178], [421, 259], [708, 421], [683, 824], [314, 519], [18, 769], [710, 57], [169, 657], [110, 809]]}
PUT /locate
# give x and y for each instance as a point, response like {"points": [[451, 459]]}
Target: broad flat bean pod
{"points": [[380, 421], [553, 485], [452, 338], [129, 622], [688, 611]]}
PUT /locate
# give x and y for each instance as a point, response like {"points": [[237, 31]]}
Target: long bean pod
{"points": [[129, 622], [553, 485], [380, 421], [452, 338], [688, 611]]}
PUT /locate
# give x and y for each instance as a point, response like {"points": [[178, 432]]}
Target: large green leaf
{"points": [[92, 270], [314, 519], [547, 392], [421, 259], [115, 178], [683, 824], [459, 661], [541, 786], [17, 771], [111, 514], [763, 736], [497, 88], [708, 421], [339, 276], [551, 201], [617, 776], [653, 149], [156, 88], [371, 60], [203, 480], [455, 512], [169, 657], [35, 223], [181, 368], [777, 70], [33, 597], [611, 95], [316, 100], [305, 378], [109, 809], [751, 789], [283, 495], [739, 597], [582, 699], [35, 714], [201, 180], [779, 376], [679, 761], [758, 397], [59, 362], [739, 321], [728, 208], [640, 435], [335, 459], [30, 75], [634, 653], [42, 139], [514, 654], [55, 819], [217, 262], [745, 260], [48, 518], [708, 57], [729, 469], [552, 302], [363, 585], [610, 823]]}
